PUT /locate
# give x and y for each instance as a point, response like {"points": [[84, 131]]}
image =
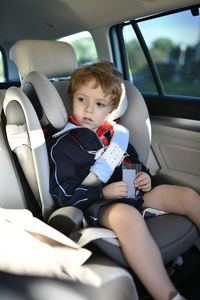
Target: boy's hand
{"points": [[115, 190], [143, 182]]}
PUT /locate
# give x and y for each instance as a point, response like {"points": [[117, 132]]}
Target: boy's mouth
{"points": [[87, 120]]}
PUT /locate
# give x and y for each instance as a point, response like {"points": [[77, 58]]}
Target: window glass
{"points": [[83, 45], [2, 78], [139, 71], [174, 43]]}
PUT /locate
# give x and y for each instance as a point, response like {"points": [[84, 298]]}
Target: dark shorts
{"points": [[93, 212]]}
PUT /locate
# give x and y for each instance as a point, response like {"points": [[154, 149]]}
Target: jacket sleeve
{"points": [[65, 186]]}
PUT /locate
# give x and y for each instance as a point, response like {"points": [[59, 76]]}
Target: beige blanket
{"points": [[29, 246]]}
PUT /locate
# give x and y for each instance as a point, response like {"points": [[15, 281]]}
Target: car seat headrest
{"points": [[48, 104], [45, 99], [122, 107], [53, 58], [38, 60]]}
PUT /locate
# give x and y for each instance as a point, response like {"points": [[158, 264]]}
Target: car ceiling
{"points": [[52, 19]]}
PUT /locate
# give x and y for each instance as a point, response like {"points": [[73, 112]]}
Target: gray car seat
{"points": [[100, 277], [174, 234]]}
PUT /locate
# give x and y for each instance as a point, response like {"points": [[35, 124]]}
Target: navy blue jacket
{"points": [[71, 155]]}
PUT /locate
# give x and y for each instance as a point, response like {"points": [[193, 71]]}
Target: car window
{"points": [[173, 42], [2, 77], [139, 71], [84, 46]]}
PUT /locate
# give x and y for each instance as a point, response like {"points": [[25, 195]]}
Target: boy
{"points": [[86, 172]]}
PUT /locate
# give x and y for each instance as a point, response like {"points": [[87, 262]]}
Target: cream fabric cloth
{"points": [[29, 246]]}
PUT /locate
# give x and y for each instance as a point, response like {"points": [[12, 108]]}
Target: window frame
{"points": [[5, 66]]}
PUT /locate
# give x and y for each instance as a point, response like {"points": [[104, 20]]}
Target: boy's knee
{"points": [[124, 214], [124, 210], [189, 193], [186, 192]]}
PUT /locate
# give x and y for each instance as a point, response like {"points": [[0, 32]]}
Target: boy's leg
{"points": [[139, 248], [175, 199]]}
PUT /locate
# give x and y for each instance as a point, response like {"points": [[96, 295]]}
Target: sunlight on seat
{"points": [[148, 123], [37, 138]]}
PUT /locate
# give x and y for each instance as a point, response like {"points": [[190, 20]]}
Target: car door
{"points": [[160, 54]]}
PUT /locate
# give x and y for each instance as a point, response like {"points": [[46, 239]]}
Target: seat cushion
{"points": [[174, 235]]}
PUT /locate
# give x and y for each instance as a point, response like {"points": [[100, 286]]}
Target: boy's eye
{"points": [[81, 99], [100, 104]]}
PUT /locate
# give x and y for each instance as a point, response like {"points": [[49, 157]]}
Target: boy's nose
{"points": [[89, 107]]}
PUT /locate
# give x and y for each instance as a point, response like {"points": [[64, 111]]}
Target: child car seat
{"points": [[174, 234]]}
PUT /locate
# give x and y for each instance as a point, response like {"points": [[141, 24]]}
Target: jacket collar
{"points": [[101, 131]]}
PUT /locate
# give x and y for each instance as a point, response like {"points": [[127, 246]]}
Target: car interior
{"points": [[164, 128]]}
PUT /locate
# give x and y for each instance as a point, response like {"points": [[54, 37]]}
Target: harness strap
{"points": [[106, 127]]}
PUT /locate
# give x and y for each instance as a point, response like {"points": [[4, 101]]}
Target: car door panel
{"points": [[175, 139], [177, 151]]}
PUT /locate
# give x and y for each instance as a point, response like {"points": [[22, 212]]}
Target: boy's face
{"points": [[90, 105]]}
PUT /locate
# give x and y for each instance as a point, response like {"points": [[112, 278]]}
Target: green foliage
{"points": [[135, 56], [85, 50], [163, 44]]}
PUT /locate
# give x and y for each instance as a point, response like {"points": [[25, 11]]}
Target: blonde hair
{"points": [[105, 75]]}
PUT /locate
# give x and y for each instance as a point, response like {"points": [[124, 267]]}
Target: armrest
{"points": [[66, 219]]}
